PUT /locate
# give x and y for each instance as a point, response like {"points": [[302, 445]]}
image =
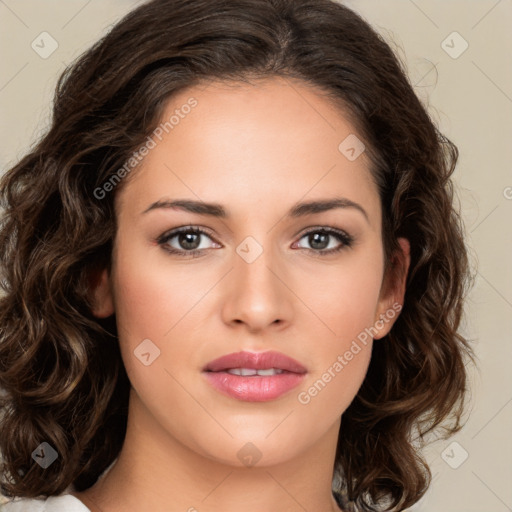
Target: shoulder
{"points": [[62, 503]]}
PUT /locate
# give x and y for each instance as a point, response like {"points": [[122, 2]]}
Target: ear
{"points": [[101, 289], [392, 293]]}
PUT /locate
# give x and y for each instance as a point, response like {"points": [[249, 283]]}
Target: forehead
{"points": [[246, 144]]}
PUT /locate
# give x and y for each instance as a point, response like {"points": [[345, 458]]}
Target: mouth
{"points": [[254, 377]]}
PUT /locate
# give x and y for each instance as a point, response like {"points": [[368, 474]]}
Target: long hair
{"points": [[61, 373]]}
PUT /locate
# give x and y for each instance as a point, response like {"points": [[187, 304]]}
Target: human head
{"points": [[56, 237]]}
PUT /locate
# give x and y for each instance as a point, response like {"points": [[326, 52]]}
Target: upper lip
{"points": [[255, 360]]}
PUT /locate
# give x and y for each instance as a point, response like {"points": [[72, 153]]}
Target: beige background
{"points": [[470, 97]]}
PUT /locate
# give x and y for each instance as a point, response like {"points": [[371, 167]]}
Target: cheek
{"points": [[148, 303], [342, 298], [154, 302], [342, 354], [343, 301], [331, 389], [152, 296]]}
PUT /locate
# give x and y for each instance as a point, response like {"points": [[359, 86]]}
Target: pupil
{"points": [[186, 240], [319, 240]]}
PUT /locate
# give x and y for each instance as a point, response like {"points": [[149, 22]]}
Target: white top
{"points": [[62, 503]]}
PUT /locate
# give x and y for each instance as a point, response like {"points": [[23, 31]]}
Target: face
{"points": [[279, 249]]}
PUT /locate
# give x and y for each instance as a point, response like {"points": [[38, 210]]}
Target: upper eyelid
{"points": [[331, 230], [176, 231]]}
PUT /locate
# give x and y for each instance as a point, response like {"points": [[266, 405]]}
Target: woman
{"points": [[233, 271]]}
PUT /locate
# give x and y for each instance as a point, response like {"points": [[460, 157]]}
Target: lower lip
{"points": [[254, 388]]}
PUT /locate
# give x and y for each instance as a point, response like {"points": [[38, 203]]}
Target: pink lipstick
{"points": [[254, 376]]}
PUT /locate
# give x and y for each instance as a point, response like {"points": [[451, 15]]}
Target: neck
{"points": [[163, 474]]}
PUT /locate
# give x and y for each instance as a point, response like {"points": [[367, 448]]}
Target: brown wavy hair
{"points": [[61, 373]]}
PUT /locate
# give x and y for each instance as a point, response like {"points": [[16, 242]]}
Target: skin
{"points": [[257, 150]]}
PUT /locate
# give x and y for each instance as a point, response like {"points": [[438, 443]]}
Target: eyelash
{"points": [[343, 237]]}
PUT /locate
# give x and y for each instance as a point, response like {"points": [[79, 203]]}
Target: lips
{"points": [[255, 361], [254, 377]]}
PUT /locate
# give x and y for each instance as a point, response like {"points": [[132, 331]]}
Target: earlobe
{"points": [[101, 290], [393, 292]]}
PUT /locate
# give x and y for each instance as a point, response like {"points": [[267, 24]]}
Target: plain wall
{"points": [[468, 95]]}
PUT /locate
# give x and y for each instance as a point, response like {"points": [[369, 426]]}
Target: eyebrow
{"points": [[217, 210]]}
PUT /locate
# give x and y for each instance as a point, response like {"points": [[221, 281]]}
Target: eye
{"points": [[190, 241], [186, 241], [326, 240]]}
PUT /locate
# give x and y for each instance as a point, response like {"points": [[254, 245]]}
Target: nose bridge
{"points": [[257, 295]]}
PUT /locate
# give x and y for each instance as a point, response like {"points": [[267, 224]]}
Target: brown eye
{"points": [[326, 240], [319, 240], [187, 241]]}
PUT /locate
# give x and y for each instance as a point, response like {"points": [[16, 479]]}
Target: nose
{"points": [[256, 294]]}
